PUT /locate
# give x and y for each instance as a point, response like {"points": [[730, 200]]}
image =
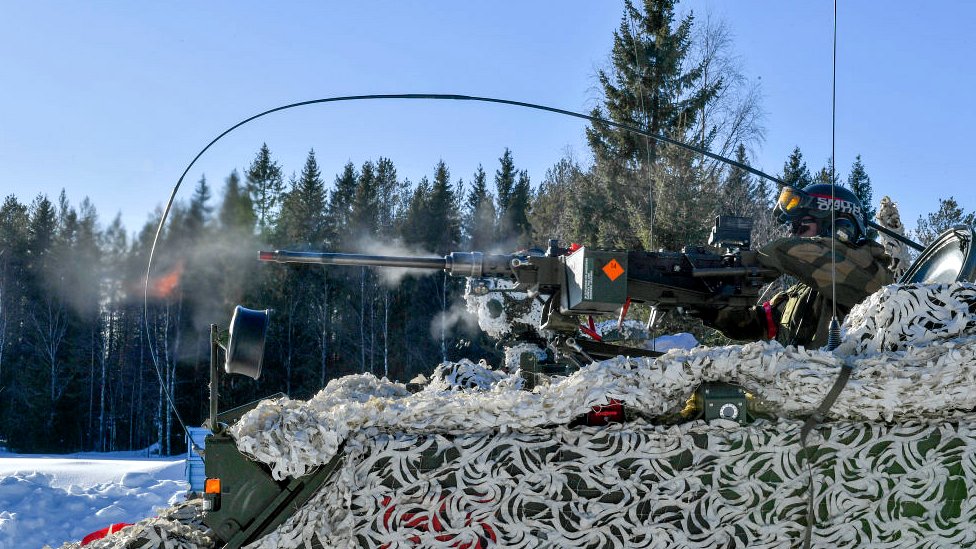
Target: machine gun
{"points": [[580, 281]]}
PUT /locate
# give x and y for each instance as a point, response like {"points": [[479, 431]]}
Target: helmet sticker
{"points": [[843, 206]]}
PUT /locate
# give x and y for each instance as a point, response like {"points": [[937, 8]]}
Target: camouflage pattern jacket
{"points": [[801, 315]]}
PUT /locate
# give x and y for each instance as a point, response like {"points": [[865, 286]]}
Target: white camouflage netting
{"points": [[177, 527], [691, 485], [474, 460], [927, 369]]}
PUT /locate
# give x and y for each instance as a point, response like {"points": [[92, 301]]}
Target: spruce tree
{"points": [[479, 221], [505, 182], [738, 189], [86, 335], [795, 171], [15, 356], [827, 175], [518, 212], [339, 212], [303, 209], [390, 192], [236, 209], [298, 292], [650, 85], [415, 225], [47, 313], [444, 233], [265, 186], [859, 182], [200, 208], [657, 82], [366, 202]]}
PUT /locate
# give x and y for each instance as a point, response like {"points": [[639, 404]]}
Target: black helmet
{"points": [[815, 201]]}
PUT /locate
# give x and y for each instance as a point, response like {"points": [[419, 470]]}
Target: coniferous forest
{"points": [[83, 366]]}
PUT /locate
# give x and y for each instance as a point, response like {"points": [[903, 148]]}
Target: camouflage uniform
{"points": [[801, 314]]}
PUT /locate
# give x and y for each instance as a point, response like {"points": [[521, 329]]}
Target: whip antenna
{"points": [[833, 332]]}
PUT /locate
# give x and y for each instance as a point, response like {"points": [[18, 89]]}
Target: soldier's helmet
{"points": [[816, 201]]}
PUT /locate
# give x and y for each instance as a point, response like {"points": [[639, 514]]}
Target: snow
{"points": [[675, 341], [53, 499]]}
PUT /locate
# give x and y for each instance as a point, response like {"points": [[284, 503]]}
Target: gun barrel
{"points": [[732, 271], [285, 256], [457, 263]]}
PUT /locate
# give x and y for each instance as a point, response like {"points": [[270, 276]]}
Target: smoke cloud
{"points": [[393, 276], [454, 320]]}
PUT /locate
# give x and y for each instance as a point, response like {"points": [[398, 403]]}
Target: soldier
{"points": [[801, 315]]}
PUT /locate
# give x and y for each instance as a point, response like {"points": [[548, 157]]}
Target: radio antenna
{"points": [[833, 332]]}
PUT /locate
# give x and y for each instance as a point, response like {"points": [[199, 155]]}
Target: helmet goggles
{"points": [[794, 203]]}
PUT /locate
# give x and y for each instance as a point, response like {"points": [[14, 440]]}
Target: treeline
{"points": [[79, 354], [83, 366]]}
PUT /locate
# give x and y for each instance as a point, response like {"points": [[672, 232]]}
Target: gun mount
{"points": [[581, 281]]}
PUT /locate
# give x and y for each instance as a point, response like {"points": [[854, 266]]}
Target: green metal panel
{"points": [[246, 488], [596, 281], [251, 503]]}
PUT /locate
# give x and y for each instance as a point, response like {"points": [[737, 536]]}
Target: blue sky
{"points": [[111, 100]]}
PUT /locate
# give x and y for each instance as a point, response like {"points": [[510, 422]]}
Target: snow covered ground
{"points": [[52, 499]]}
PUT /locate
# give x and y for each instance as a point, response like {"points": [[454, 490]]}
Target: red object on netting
{"points": [[427, 520], [99, 534], [612, 412]]}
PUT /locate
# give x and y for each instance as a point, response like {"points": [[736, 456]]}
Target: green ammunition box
{"points": [[596, 281]]}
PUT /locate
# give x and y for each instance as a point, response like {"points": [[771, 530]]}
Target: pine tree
{"points": [[950, 213], [303, 208], [518, 212], [200, 208], [236, 260], [86, 334], [366, 203], [339, 212], [553, 209], [658, 82], [236, 209], [860, 184], [14, 354], [47, 313], [827, 175], [296, 292], [444, 233], [505, 188], [505, 182], [738, 189], [479, 221], [415, 226], [265, 186], [390, 193], [795, 171], [649, 86]]}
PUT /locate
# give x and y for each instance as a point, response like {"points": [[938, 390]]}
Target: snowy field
{"points": [[52, 499]]}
